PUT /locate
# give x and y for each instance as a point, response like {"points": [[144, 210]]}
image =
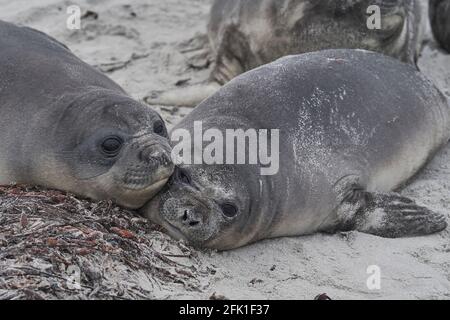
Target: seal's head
{"points": [[355, 18], [375, 25], [212, 206], [106, 146]]}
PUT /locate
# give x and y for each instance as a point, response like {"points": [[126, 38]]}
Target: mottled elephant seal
{"points": [[354, 126], [440, 22], [247, 34], [65, 125]]}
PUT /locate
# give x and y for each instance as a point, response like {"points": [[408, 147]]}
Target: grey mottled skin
{"points": [[354, 126], [247, 34], [56, 113], [440, 22]]}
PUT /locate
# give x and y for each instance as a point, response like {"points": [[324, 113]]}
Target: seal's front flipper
{"points": [[393, 216], [183, 97]]}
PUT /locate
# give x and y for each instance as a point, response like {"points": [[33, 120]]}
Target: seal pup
{"points": [[65, 125], [246, 34], [440, 22], [354, 126]]}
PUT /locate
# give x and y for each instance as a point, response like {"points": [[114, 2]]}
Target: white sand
{"points": [[295, 268]]}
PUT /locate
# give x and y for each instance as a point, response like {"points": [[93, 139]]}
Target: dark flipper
{"points": [[415, 41], [234, 56], [440, 22], [391, 215]]}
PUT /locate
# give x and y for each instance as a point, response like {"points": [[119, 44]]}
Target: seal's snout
{"points": [[141, 170], [190, 218], [154, 154], [146, 166], [185, 218]]}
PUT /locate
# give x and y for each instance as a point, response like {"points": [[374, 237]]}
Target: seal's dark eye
{"points": [[229, 210], [183, 176], [111, 146], [158, 128]]}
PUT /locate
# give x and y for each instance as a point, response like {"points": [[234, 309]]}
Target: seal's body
{"points": [[246, 34], [440, 22], [354, 126], [65, 125]]}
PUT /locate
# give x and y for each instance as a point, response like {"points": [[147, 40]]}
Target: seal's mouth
{"points": [[147, 174], [146, 187], [134, 199], [174, 231]]}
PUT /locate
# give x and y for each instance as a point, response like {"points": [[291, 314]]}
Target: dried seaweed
{"points": [[55, 246]]}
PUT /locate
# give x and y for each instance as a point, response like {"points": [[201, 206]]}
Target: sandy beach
{"points": [[144, 45]]}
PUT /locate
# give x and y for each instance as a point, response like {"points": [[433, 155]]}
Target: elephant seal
{"points": [[246, 34], [440, 22], [354, 126], [65, 125]]}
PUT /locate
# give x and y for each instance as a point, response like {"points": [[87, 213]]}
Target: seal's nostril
{"points": [[150, 153], [166, 159], [194, 223], [143, 156], [188, 219]]}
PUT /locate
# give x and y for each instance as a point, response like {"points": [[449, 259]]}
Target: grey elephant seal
{"points": [[65, 125], [440, 21], [354, 126], [246, 34]]}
